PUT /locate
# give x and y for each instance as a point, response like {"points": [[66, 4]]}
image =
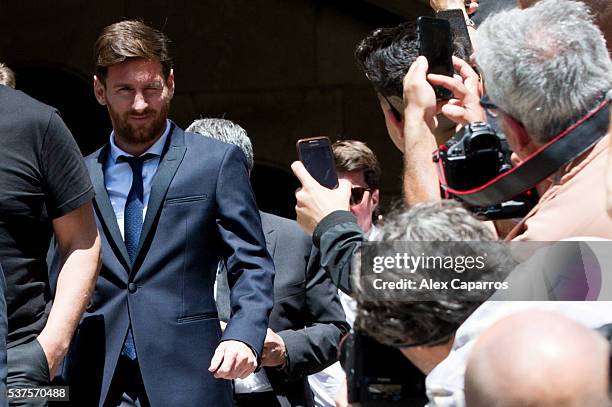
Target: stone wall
{"points": [[283, 69]]}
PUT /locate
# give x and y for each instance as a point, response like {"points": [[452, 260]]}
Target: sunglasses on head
{"points": [[357, 195]]}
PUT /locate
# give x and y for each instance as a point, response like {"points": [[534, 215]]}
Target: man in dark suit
{"points": [[307, 321], [169, 205]]}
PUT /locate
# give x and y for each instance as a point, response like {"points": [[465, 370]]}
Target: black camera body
{"points": [[474, 157], [379, 375]]}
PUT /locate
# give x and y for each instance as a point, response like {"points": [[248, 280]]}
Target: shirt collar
{"points": [[156, 149]]}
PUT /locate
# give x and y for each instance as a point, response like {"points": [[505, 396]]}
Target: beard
{"points": [[139, 133]]}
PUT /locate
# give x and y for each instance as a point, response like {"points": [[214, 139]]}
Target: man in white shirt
{"points": [[358, 164]]}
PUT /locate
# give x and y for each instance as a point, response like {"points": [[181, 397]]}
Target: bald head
{"points": [[538, 359], [602, 10]]}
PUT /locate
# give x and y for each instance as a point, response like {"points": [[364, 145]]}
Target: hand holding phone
{"points": [[317, 156]]}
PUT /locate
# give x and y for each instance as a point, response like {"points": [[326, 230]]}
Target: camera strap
{"points": [[562, 149]]}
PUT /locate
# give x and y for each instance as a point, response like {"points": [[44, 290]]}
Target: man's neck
{"points": [[135, 149]]}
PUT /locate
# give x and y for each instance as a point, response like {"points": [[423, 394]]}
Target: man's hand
{"points": [[314, 201], [466, 88], [439, 5], [274, 351], [233, 360], [419, 95]]}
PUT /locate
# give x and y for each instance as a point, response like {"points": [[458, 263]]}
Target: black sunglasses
{"points": [[357, 195], [489, 106]]}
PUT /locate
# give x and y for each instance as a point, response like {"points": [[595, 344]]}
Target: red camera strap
{"points": [[564, 148]]}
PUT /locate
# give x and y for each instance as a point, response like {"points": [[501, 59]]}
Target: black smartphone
{"points": [[317, 156], [435, 44], [462, 45]]}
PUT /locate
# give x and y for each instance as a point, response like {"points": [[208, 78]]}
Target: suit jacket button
{"points": [[132, 287]]}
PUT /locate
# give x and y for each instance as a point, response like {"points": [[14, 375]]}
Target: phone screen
{"points": [[316, 155], [435, 43]]}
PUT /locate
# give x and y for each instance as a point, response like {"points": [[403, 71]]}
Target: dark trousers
{"points": [[27, 368], [127, 380]]}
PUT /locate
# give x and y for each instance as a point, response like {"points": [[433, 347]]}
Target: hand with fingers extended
{"points": [[233, 360], [314, 201], [466, 88], [419, 96]]}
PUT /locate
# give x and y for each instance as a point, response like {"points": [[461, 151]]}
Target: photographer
{"points": [[437, 333], [546, 72], [572, 363], [385, 57]]}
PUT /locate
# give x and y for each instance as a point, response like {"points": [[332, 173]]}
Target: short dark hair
{"points": [[130, 39], [7, 76], [385, 56], [405, 318], [353, 155]]}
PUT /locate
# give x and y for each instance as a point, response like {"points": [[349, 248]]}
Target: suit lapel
{"points": [[106, 213], [168, 166], [270, 234]]}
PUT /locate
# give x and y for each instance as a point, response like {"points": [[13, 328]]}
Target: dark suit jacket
{"points": [[307, 312], [201, 208], [3, 335]]}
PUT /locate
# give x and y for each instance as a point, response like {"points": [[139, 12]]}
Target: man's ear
{"points": [[99, 91], [170, 83], [519, 141], [375, 198], [398, 104]]}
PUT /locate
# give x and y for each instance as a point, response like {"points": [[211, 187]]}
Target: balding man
{"points": [[538, 358]]}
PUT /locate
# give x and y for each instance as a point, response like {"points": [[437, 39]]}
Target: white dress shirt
{"points": [[118, 175]]}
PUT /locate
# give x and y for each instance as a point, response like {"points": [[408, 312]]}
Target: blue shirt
{"points": [[118, 175]]}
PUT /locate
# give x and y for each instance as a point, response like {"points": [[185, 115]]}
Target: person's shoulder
{"points": [[205, 143], [288, 227], [17, 102]]}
